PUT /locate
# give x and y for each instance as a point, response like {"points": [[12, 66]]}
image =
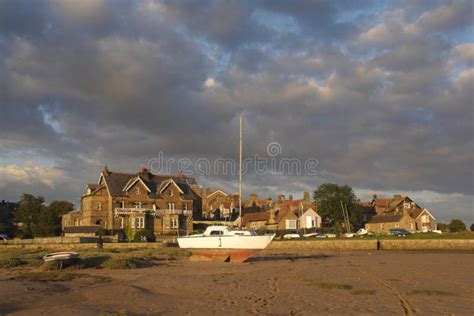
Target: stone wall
{"points": [[324, 245], [428, 244]]}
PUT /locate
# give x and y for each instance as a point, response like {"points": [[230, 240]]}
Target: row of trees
{"points": [[329, 196], [31, 217]]}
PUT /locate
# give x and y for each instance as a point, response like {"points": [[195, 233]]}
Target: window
{"points": [[412, 226], [290, 224], [425, 219], [185, 207], [99, 206], [216, 233], [406, 205], [381, 226], [138, 222], [122, 222], [171, 192], [171, 206], [137, 191], [397, 225], [132, 222], [123, 204], [137, 204], [174, 223]]}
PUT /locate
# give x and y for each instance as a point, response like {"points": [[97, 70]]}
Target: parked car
{"points": [[348, 235], [315, 235], [364, 232], [398, 232], [291, 236], [4, 237], [331, 235], [437, 231]]}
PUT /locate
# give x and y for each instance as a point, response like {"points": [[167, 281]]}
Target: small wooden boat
{"points": [[60, 256]]}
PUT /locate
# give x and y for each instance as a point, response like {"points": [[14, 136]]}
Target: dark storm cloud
{"points": [[380, 93]]}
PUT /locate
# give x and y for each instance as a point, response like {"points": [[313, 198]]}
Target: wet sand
{"points": [[279, 283]]}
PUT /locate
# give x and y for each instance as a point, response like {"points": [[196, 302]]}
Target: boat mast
{"points": [[240, 174]]}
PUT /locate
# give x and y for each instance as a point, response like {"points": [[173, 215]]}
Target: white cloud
{"points": [[29, 174]]}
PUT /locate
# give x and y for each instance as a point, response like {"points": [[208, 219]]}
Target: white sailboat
{"points": [[224, 243]]}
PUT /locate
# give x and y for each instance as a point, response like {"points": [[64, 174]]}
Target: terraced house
{"points": [[399, 212], [118, 201]]}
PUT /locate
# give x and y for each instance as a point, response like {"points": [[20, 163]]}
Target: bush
{"points": [[457, 225], [144, 232]]}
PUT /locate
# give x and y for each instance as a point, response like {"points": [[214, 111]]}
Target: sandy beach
{"points": [[277, 283]]}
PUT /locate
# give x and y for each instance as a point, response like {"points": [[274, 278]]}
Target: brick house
{"points": [[399, 212], [285, 215], [218, 204], [162, 203]]}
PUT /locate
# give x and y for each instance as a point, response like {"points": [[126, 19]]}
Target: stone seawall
{"points": [[324, 245], [336, 245], [78, 246], [428, 244]]}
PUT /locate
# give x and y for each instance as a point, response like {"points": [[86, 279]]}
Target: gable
{"points": [[217, 193], [142, 189], [166, 184], [310, 212]]}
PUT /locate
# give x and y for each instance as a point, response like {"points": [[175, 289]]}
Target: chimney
{"points": [[290, 197], [253, 197], [397, 196], [106, 171], [306, 196], [181, 174], [272, 219], [281, 198], [208, 191], [144, 173]]}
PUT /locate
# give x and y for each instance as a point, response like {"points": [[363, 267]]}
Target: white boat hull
{"points": [[60, 256], [225, 242]]}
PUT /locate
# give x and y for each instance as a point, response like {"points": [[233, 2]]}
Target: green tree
{"points": [[328, 198], [37, 220], [51, 221], [27, 215], [457, 225], [7, 211]]}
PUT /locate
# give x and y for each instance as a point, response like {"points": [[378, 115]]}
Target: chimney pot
{"points": [[306, 196]]}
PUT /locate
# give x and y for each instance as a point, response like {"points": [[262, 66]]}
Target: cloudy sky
{"points": [[379, 92]]}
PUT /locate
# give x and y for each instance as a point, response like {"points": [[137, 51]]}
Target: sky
{"points": [[377, 94]]}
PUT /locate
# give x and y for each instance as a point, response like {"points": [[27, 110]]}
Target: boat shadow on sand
{"points": [[287, 257]]}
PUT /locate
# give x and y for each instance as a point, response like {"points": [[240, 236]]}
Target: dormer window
{"points": [[99, 206], [89, 191], [137, 191]]}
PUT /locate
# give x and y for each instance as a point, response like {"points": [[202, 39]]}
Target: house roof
{"points": [[385, 219], [117, 181], [255, 217], [417, 213], [81, 229]]}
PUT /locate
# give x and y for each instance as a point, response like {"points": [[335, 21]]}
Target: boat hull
{"points": [[60, 256], [225, 242], [222, 255], [224, 248]]}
